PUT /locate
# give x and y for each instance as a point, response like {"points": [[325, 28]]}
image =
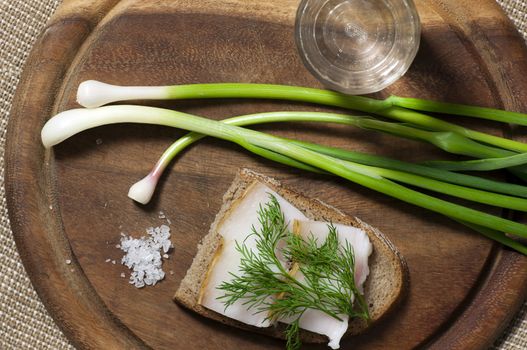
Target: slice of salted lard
{"points": [[236, 225], [317, 321]]}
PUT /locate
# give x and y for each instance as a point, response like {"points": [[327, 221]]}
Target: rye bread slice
{"points": [[383, 289]]}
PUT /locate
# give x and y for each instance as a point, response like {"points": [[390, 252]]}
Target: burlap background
{"points": [[24, 322]]}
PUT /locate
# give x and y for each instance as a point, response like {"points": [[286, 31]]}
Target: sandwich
{"points": [[279, 263]]}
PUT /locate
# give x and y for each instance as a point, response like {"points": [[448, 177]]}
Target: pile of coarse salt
{"points": [[143, 255]]}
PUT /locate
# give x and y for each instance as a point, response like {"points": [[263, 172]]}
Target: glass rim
{"points": [[384, 76]]}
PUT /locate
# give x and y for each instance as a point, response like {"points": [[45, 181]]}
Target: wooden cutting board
{"points": [[70, 203]]}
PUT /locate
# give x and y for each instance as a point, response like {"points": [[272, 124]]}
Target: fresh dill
{"points": [[266, 285]]}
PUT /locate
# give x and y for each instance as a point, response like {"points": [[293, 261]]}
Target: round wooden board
{"points": [[70, 203]]}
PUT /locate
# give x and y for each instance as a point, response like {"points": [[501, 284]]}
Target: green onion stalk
{"points": [[459, 109], [480, 164], [69, 123]]}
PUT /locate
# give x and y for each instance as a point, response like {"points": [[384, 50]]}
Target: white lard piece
{"points": [[317, 321], [237, 226]]}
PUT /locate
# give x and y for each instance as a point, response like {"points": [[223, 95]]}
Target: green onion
{"points": [[93, 94], [480, 164], [69, 123], [445, 141]]}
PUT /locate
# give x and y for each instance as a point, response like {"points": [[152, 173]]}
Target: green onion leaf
{"points": [[480, 164]]}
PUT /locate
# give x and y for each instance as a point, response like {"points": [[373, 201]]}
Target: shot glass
{"points": [[357, 46]]}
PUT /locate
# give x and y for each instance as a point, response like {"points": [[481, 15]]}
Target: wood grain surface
{"points": [[70, 203]]}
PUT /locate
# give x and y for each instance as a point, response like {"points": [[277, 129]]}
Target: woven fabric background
{"points": [[24, 322]]}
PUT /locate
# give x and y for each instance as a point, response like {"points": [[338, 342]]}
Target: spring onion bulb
{"points": [[69, 123], [143, 190], [92, 93]]}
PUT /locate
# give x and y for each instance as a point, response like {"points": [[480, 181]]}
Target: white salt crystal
{"points": [[143, 255], [161, 215], [68, 261], [123, 275], [108, 260], [113, 262]]}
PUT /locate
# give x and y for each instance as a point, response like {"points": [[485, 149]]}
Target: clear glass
{"points": [[357, 46]]}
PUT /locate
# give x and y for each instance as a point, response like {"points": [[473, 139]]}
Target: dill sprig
{"points": [[292, 335], [328, 283]]}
